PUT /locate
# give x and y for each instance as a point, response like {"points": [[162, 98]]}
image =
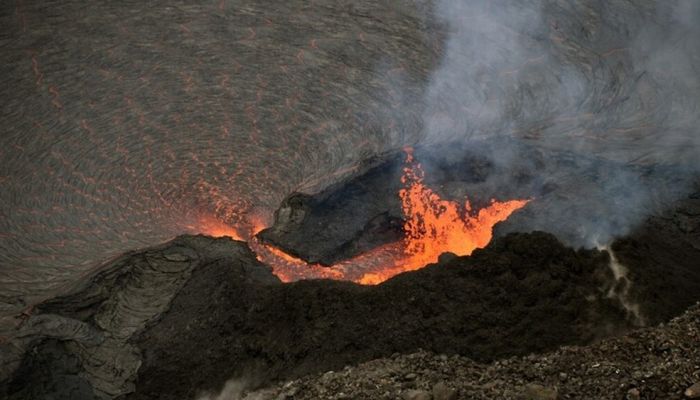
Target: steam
{"points": [[620, 288], [234, 389], [464, 97], [613, 85]]}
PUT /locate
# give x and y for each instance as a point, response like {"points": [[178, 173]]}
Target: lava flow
{"points": [[432, 226]]}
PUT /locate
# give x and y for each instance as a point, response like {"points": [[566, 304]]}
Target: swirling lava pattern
{"points": [[127, 123]]}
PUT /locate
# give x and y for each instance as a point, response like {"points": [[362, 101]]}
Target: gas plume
{"points": [[616, 82]]}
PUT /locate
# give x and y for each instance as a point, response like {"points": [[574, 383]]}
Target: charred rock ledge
{"points": [[191, 314], [172, 321], [656, 363]]}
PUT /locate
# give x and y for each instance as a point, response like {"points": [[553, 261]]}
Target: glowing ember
{"points": [[432, 226]]}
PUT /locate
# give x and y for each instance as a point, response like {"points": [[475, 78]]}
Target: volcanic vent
{"points": [[483, 178], [189, 315], [431, 226]]}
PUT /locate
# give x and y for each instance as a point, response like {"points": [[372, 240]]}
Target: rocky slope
{"points": [[663, 259], [182, 319], [81, 343], [187, 316], [523, 293], [653, 363]]}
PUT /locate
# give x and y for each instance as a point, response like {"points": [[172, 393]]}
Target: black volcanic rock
{"points": [[81, 343], [185, 317], [182, 318], [654, 363], [524, 293], [345, 219], [663, 259]]}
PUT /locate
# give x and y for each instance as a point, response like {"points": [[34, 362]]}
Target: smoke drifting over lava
{"points": [[433, 226], [138, 123], [620, 84]]}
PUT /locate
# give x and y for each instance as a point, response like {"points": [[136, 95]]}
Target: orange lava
{"points": [[214, 227], [289, 268], [245, 231], [432, 226]]}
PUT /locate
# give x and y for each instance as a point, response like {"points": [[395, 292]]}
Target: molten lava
{"points": [[216, 228], [432, 226]]}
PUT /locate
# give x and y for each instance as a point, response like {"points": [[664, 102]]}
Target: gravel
{"points": [[662, 362]]}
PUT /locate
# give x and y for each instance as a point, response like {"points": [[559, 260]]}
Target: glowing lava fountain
{"points": [[432, 226]]}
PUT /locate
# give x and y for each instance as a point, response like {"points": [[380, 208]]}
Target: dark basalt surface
{"points": [[663, 258], [345, 219], [78, 346], [524, 293], [126, 124], [653, 363]]}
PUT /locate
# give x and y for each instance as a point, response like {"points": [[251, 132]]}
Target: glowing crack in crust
{"points": [[432, 226]]}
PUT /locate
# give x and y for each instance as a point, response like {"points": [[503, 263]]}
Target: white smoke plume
{"points": [[615, 82], [234, 389]]}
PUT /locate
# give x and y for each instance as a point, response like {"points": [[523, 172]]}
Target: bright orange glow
{"points": [[289, 268], [245, 231], [214, 227], [432, 226], [257, 224]]}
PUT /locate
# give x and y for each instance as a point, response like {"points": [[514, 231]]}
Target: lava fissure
{"points": [[432, 226]]}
